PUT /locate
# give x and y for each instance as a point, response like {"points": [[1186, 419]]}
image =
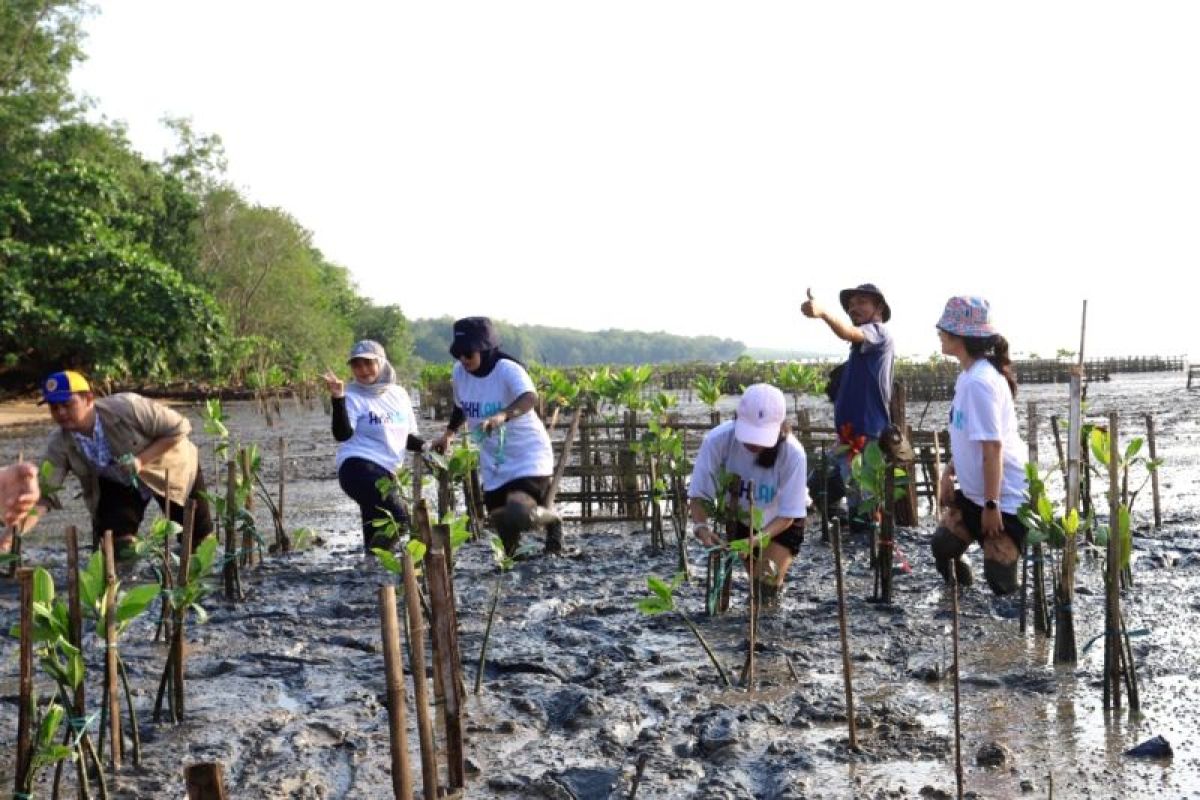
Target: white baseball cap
{"points": [[760, 412]]}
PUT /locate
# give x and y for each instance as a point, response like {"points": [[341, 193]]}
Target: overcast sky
{"points": [[693, 166]]}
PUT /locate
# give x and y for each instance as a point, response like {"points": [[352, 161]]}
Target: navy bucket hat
{"points": [[867, 289], [473, 335]]}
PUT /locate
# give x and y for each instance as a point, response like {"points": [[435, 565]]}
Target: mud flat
{"points": [[286, 689]]}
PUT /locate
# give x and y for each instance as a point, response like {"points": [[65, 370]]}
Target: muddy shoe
{"points": [[381, 541], [767, 594], [125, 548], [554, 539]]}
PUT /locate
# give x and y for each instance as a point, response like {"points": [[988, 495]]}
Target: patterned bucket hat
{"points": [[967, 316]]}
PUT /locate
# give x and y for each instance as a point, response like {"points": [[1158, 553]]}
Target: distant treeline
{"points": [[568, 347]]}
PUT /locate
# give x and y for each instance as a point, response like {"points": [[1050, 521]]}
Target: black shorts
{"points": [[791, 538], [972, 517], [534, 487]]}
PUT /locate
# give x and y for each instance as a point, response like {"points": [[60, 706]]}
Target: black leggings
{"points": [[121, 508], [357, 477]]}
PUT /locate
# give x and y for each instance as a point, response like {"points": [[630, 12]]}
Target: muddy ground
{"points": [[286, 689]]}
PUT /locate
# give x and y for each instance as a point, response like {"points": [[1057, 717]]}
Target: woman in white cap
{"points": [[767, 464], [374, 421], [986, 451]]}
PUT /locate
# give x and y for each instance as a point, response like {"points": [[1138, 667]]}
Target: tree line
{"points": [[142, 271]]}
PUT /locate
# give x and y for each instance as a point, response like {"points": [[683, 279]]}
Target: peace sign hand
{"points": [[336, 386]]}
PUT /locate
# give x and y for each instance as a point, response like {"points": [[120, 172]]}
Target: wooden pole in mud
{"points": [[178, 647], [958, 764], [233, 588], [282, 541], [563, 458], [1041, 616], [887, 532], [111, 668], [936, 473], [25, 688], [205, 781], [1064, 634], [847, 675], [1153, 473], [396, 696], [416, 661], [1112, 594], [447, 663], [752, 604], [75, 610]]}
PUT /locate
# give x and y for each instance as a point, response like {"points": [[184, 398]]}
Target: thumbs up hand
{"points": [[810, 307]]}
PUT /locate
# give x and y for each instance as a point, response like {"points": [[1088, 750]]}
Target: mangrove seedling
{"points": [[1057, 531], [504, 564], [129, 606], [184, 598], [63, 663], [663, 600]]}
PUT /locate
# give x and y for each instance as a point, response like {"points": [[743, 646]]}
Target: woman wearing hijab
{"points": [[986, 451], [374, 421], [495, 396]]}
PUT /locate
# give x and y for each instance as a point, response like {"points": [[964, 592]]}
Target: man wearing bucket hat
{"points": [[769, 467], [985, 450], [861, 405], [495, 396], [123, 448], [374, 422]]}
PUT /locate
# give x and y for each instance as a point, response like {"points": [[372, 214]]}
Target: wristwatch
{"points": [[990, 505]]}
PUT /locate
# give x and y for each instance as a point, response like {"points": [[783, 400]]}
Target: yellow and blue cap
{"points": [[59, 386]]}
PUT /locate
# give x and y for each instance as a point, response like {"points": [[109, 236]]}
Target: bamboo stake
{"points": [[233, 589], [958, 764], [396, 696], [178, 652], [847, 675], [416, 660], [75, 610], [446, 662], [1112, 605], [284, 543], [1153, 473], [1041, 615], [111, 676], [205, 781], [1064, 635], [25, 693], [887, 532], [752, 604]]}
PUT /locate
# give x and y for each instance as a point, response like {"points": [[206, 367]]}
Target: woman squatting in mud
{"points": [[495, 396], [374, 421], [768, 463], [985, 450]]}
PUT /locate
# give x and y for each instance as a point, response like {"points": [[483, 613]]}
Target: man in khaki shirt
{"points": [[123, 448]]}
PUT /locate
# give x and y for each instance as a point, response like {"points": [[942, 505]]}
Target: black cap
{"points": [[865, 288], [473, 335]]}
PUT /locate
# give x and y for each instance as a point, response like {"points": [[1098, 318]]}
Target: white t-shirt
{"points": [[381, 427], [524, 450], [983, 411], [780, 491]]}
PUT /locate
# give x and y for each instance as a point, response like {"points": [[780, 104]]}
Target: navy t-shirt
{"points": [[866, 388]]}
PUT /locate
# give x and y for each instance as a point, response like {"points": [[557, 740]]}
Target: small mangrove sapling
{"points": [[663, 600]]}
